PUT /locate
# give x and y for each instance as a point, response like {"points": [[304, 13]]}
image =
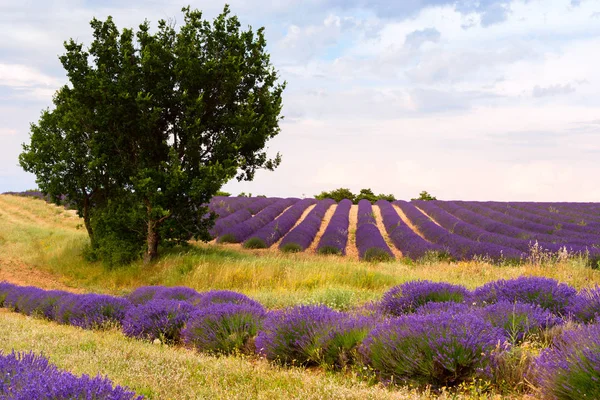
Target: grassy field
{"points": [[42, 245]]}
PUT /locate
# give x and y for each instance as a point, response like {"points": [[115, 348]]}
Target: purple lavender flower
{"points": [[545, 292], [585, 307], [212, 297], [26, 376], [370, 243], [222, 328], [299, 238], [144, 294], [434, 307], [311, 335], [517, 319], [335, 237], [91, 311], [434, 349], [157, 319], [406, 298], [571, 368], [5, 289]]}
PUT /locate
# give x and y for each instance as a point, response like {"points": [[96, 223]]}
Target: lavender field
{"points": [[456, 230]]}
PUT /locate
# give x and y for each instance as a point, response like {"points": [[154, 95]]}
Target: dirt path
{"points": [[19, 273], [275, 246], [326, 219], [428, 216], [351, 250], [377, 212], [405, 219]]}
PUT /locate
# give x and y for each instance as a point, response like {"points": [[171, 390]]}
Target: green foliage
{"points": [[223, 194], [337, 195], [227, 238], [255, 243], [291, 248], [375, 254], [329, 250], [156, 120], [344, 193], [425, 196]]}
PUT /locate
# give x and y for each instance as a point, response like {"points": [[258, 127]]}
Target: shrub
{"points": [[29, 376], [5, 288], [544, 292], [38, 302], [585, 307], [144, 294], [255, 243], [157, 319], [227, 238], [406, 298], [222, 328], [434, 307], [442, 349], [291, 248], [518, 320], [571, 368], [91, 311], [329, 250], [376, 254], [224, 296], [311, 335]]}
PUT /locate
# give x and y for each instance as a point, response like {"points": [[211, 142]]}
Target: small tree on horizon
{"points": [[425, 196], [151, 125]]}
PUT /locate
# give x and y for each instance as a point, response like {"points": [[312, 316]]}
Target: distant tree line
{"points": [[344, 193]]}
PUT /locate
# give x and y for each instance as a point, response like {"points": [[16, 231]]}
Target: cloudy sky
{"points": [[481, 100]]}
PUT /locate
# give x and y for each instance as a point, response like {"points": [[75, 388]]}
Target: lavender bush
{"points": [[26, 376], [406, 298], [545, 292], [335, 237], [225, 297], [311, 335], [299, 238], [157, 319], [518, 320], [144, 294], [571, 368], [585, 307], [222, 328], [91, 311], [440, 349]]}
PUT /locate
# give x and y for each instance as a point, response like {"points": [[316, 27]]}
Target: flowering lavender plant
{"points": [[571, 368], [518, 320], [26, 376], [436, 349], [585, 307], [91, 311], [545, 292], [335, 237], [144, 294], [311, 335], [222, 328], [157, 319], [406, 298], [224, 296]]}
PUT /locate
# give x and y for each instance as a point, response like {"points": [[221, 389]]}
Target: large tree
{"points": [[151, 125]]}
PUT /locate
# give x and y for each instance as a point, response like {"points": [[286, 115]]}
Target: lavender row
{"points": [[369, 242], [458, 246], [404, 238], [335, 237], [575, 213], [479, 208], [277, 228], [508, 210], [565, 220], [473, 232], [495, 226], [252, 207], [243, 230], [299, 238], [420, 333], [224, 206], [31, 376]]}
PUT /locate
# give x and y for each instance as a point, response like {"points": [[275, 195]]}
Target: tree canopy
{"points": [[425, 196], [344, 193], [151, 125]]}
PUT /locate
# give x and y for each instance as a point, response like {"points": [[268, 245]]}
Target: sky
{"points": [[472, 100]]}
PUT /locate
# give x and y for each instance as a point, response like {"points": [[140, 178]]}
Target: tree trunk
{"points": [[86, 218], [152, 240]]}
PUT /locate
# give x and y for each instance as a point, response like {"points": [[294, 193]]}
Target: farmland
{"points": [[42, 246]]}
